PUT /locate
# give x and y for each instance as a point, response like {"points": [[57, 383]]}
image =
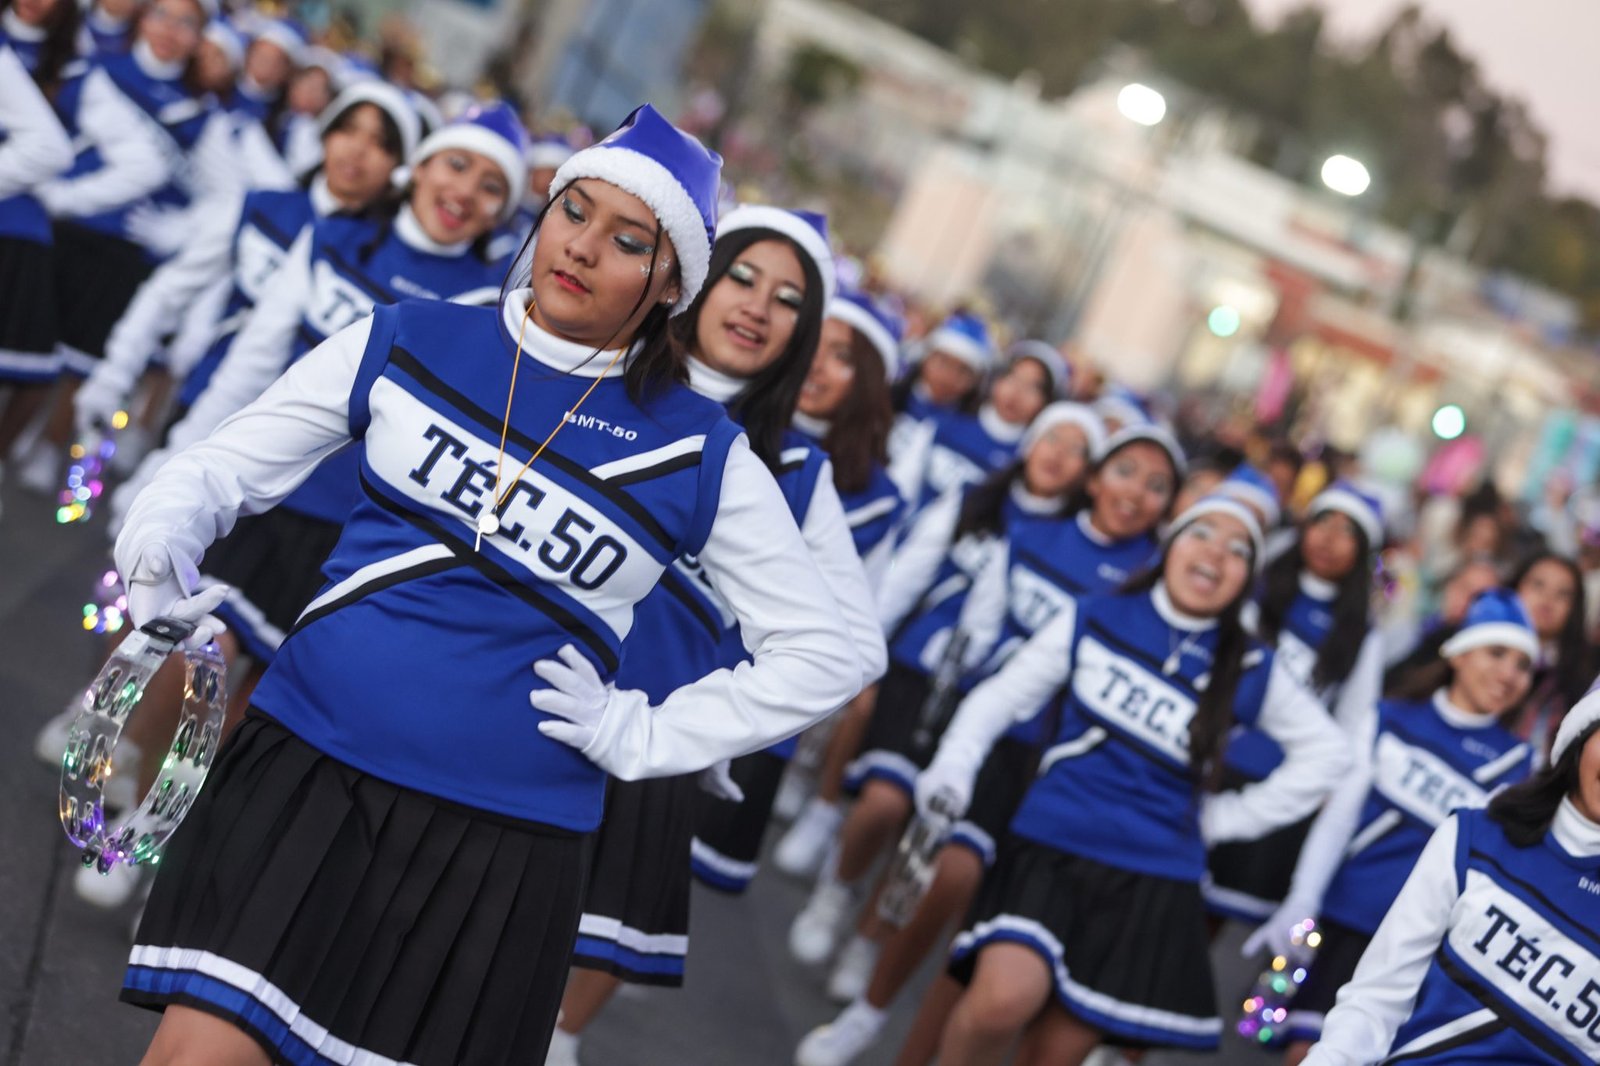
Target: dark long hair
{"points": [[1525, 810], [765, 406], [1572, 670], [1337, 654], [59, 46], [858, 432], [660, 359], [1213, 713]]}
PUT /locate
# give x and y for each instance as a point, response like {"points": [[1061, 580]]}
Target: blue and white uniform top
{"points": [[413, 663], [23, 38], [333, 276], [33, 149], [962, 450], [873, 514], [1426, 760], [102, 35], [133, 123], [1490, 954], [1115, 786]]}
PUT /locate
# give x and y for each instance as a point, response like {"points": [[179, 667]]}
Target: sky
{"points": [[1544, 52]]}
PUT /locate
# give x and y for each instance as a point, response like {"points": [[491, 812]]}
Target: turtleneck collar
{"points": [[712, 383], [1031, 504], [997, 427], [248, 86], [411, 231], [810, 426], [1172, 616], [99, 20], [559, 354], [323, 202], [152, 66], [1575, 833], [1458, 717], [18, 30], [1316, 588], [1086, 527]]}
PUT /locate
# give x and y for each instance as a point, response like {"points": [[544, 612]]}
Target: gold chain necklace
{"points": [[489, 521]]}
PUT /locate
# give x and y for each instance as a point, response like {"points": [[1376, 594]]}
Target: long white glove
{"points": [[123, 495], [717, 780], [162, 230], [159, 584], [576, 694], [948, 777], [1273, 936]]}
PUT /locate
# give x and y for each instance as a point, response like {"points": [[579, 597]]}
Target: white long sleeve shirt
{"points": [[36, 147], [138, 156]]}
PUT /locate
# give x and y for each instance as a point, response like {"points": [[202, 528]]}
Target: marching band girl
{"points": [[1091, 924], [392, 776]]}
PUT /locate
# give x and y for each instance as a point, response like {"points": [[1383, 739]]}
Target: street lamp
{"points": [[1141, 104], [1345, 176]]}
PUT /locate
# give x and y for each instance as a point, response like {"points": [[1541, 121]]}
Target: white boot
{"points": [[815, 933], [801, 850], [40, 468], [842, 1040], [563, 1048], [50, 743], [108, 890], [793, 790], [853, 971]]}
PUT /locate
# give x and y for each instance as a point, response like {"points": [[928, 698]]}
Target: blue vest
{"points": [[1305, 626], [414, 663], [345, 287], [1128, 799], [1423, 769], [1052, 560], [1522, 953], [26, 51], [269, 222], [168, 103], [112, 42], [21, 216], [963, 453]]}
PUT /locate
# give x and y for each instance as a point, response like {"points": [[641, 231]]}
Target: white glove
{"points": [[944, 776], [95, 402], [160, 229], [717, 779], [576, 694], [158, 585], [122, 497], [1274, 935]]}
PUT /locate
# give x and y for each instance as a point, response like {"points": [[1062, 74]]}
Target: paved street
{"points": [[746, 1003]]}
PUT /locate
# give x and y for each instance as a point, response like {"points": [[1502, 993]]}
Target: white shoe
{"points": [[842, 1040], [853, 971], [793, 791], [801, 850], [50, 743], [815, 932], [39, 468], [109, 890], [563, 1049]]}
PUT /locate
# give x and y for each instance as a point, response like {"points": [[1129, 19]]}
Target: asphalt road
{"points": [[746, 1002]]}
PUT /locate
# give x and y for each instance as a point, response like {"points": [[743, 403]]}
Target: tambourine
{"points": [[87, 764]]}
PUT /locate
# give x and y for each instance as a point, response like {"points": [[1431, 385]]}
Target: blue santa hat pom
{"points": [[1055, 367], [874, 321], [1254, 489], [1359, 506], [675, 175], [1495, 618], [807, 229], [966, 337], [492, 130]]}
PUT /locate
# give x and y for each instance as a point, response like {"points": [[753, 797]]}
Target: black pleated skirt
{"points": [[1129, 953], [27, 312], [1001, 784], [273, 561], [96, 276], [330, 914], [636, 912], [727, 838], [889, 749]]}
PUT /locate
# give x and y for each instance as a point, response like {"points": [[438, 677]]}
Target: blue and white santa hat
{"points": [[324, 59], [870, 318], [1578, 720], [549, 151], [965, 337], [1359, 506], [807, 229], [1254, 489], [1496, 618], [1046, 356], [1120, 404], [227, 39], [1064, 412], [492, 130], [1215, 504], [1147, 431], [386, 98], [675, 175], [286, 33]]}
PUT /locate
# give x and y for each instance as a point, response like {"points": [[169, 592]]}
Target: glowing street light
{"points": [[1345, 176], [1141, 104], [1449, 422]]}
